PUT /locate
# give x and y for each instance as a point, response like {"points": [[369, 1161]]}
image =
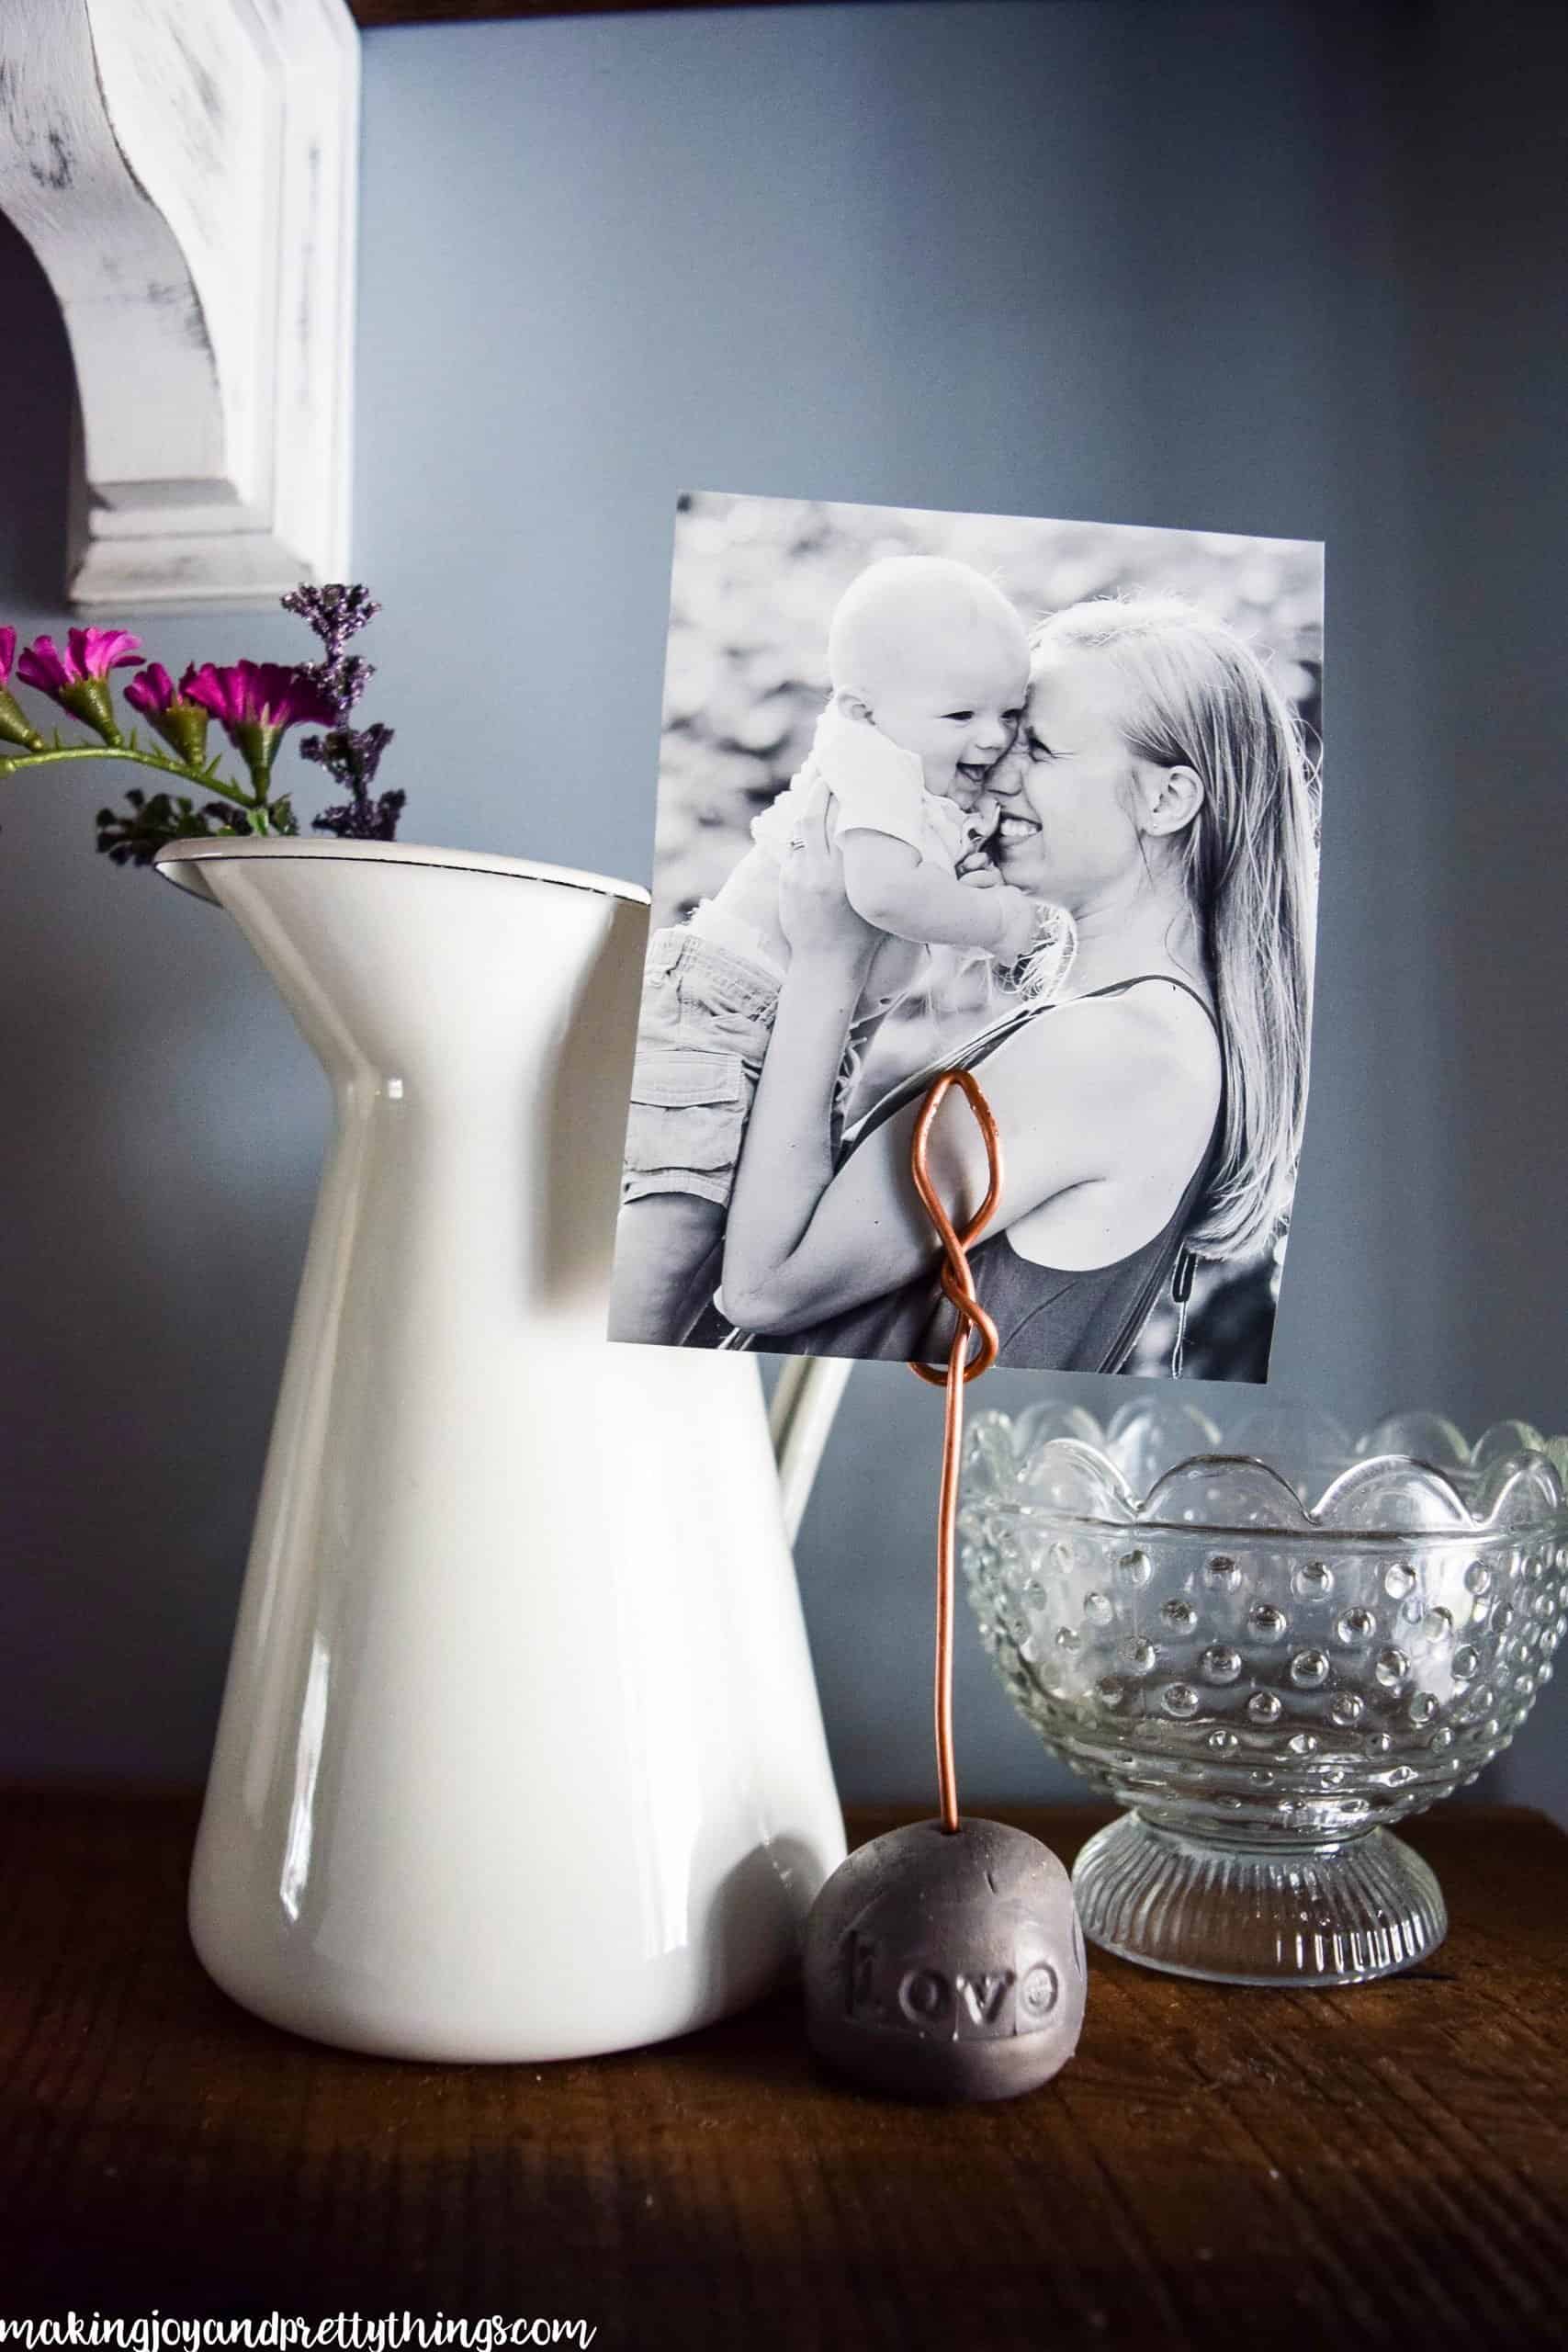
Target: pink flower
{"points": [[151, 691], [182, 723], [91, 654], [78, 679], [256, 693], [15, 727], [97, 651], [256, 701], [44, 666]]}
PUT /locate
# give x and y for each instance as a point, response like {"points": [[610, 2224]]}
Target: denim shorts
{"points": [[707, 1015]]}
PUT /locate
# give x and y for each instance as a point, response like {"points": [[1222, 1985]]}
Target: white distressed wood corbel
{"points": [[185, 172]]}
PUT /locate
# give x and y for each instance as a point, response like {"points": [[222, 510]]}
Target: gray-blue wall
{"points": [[1260, 270]]}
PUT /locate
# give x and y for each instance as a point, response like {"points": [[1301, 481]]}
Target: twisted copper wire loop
{"points": [[958, 1286]]}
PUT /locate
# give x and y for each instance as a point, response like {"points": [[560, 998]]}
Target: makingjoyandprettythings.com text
{"points": [[157, 2330]]}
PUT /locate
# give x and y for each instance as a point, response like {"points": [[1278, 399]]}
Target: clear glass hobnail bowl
{"points": [[1268, 1642]]}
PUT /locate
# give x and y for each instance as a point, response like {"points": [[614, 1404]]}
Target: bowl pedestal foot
{"points": [[1337, 1913]]}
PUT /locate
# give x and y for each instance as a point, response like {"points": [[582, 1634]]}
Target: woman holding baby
{"points": [[1159, 794]]}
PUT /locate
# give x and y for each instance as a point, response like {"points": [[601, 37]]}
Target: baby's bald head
{"points": [[909, 612], [936, 658]]}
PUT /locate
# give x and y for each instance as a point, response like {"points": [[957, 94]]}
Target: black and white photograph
{"points": [[1037, 800]]}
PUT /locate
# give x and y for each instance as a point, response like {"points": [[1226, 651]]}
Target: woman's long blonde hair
{"points": [[1199, 696]]}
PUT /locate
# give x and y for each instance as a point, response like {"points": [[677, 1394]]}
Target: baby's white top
{"points": [[876, 787]]}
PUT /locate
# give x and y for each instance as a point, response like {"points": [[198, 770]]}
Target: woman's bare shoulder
{"points": [[1106, 1058], [1166, 1015], [1160, 1016]]}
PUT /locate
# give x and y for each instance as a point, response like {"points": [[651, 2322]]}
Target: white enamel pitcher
{"points": [[520, 1755]]}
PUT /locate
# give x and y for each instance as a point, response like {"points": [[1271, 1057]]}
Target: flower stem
{"points": [[140, 759]]}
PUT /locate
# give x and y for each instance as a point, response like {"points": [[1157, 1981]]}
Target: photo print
{"points": [[1038, 799]]}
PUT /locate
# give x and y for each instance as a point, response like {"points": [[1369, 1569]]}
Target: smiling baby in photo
{"points": [[929, 665]]}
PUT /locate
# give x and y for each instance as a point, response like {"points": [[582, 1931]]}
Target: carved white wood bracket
{"points": [[185, 172]]}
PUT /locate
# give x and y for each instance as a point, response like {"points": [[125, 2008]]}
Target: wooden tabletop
{"points": [[1217, 2168]]}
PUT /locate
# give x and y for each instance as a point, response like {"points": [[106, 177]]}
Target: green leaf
{"points": [[134, 835]]}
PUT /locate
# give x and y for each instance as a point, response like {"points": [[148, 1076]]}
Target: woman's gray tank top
{"points": [[1048, 1318]]}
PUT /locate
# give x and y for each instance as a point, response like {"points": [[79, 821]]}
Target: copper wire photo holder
{"points": [[972, 1323]]}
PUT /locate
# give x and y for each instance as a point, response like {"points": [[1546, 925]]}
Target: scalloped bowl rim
{"points": [[1498, 1479]]}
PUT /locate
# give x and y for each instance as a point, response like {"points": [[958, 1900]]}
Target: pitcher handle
{"points": [[799, 1421]]}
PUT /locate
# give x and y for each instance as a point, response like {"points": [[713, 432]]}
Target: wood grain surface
{"points": [[369, 13], [1216, 2168]]}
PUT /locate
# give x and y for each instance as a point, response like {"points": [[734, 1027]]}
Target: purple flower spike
{"points": [[351, 755], [7, 654], [182, 723]]}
